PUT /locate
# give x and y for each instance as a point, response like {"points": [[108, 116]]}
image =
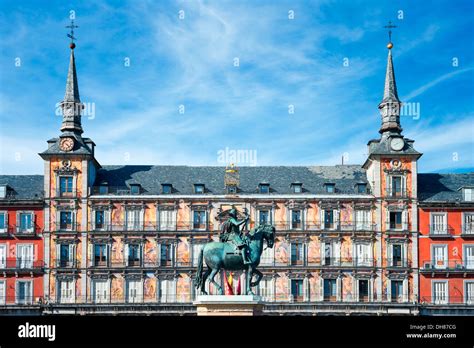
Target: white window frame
{"points": [[195, 250], [206, 219], [367, 260], [404, 290], [335, 219], [73, 220], [435, 228], [468, 194], [135, 223], [335, 252], [5, 228], [167, 290], [469, 264], [127, 253], [469, 300], [433, 293], [366, 222], [72, 254], [355, 282], [29, 297], [434, 261], [71, 296], [106, 224], [404, 254], [136, 291], [27, 261], [167, 219], [18, 220], [3, 291], [468, 229], [104, 298], [3, 260]]}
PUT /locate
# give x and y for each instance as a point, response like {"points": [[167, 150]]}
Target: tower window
{"points": [[231, 189], [264, 188], [103, 189], [167, 189], [3, 191], [65, 185]]}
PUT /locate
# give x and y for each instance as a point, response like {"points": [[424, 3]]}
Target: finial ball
{"points": [[390, 45], [72, 45]]}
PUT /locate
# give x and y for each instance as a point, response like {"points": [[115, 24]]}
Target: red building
{"points": [[446, 242], [21, 241]]}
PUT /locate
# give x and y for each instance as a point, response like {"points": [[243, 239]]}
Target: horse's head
{"points": [[268, 233]]}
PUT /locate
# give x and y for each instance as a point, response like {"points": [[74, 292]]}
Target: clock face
{"points": [[397, 144], [66, 144]]}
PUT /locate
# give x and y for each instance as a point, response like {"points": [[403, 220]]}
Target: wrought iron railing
{"points": [[442, 265]]}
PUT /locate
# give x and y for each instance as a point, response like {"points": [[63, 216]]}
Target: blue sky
{"points": [[328, 62]]}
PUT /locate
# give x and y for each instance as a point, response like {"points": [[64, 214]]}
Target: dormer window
{"points": [[330, 187], [135, 189], [264, 188], [166, 189], [199, 188], [468, 194], [3, 191], [361, 188], [297, 187], [103, 189], [231, 189]]}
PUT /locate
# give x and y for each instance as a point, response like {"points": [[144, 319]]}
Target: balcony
{"points": [[467, 230], [400, 194], [139, 263], [447, 300], [397, 263], [66, 228], [66, 263], [149, 226], [447, 266], [21, 231], [21, 265], [440, 231]]}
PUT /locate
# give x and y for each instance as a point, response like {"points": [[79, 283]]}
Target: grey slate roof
{"points": [[80, 147], [23, 186], [443, 187], [382, 147], [280, 178]]}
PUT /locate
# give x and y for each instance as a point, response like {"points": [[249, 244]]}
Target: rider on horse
{"points": [[231, 232]]}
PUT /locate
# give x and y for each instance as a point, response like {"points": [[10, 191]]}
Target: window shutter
{"points": [[337, 252], [404, 184], [127, 253], [91, 254], [339, 289], [389, 290], [323, 253], [58, 255], [387, 219], [389, 254], [405, 220], [405, 290], [388, 184], [71, 253], [321, 217], [336, 213]]}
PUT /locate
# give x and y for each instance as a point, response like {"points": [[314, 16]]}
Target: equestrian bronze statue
{"points": [[235, 251]]}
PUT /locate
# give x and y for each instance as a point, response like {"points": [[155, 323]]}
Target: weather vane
{"points": [[390, 26], [71, 35]]}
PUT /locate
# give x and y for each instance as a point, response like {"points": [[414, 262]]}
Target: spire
{"points": [[71, 105], [72, 88], [390, 104]]}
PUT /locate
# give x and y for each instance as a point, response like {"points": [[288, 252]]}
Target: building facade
{"points": [[446, 241], [126, 239], [21, 242]]}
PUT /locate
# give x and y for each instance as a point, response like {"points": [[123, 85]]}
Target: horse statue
{"points": [[222, 255]]}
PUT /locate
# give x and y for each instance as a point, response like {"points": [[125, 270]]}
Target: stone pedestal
{"points": [[228, 305]]}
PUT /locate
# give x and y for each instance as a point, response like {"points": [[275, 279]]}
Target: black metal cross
{"points": [[390, 26], [72, 26]]}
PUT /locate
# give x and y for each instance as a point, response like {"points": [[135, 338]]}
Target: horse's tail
{"points": [[198, 279]]}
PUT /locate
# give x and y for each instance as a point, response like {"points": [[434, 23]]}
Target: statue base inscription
{"points": [[228, 305]]}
